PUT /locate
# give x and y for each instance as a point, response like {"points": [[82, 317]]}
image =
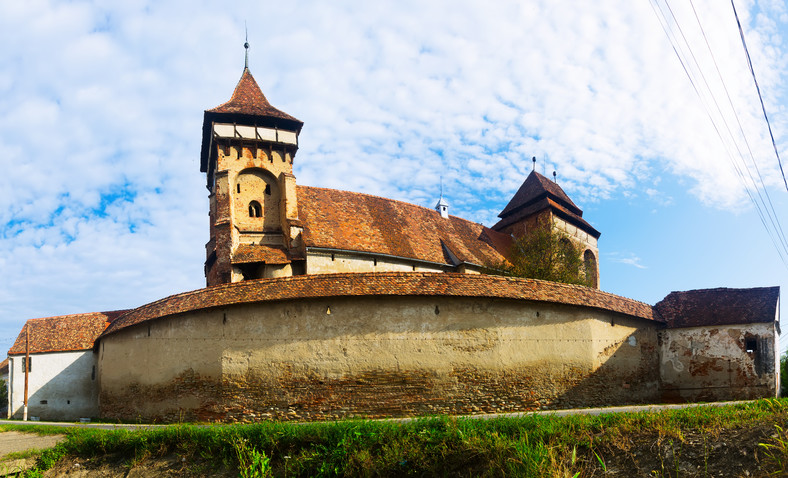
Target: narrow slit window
{"points": [[238, 188], [255, 210], [268, 189]]}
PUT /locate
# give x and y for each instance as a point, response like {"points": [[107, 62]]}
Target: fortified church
{"points": [[323, 304]]}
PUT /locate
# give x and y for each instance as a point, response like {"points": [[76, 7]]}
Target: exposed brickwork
{"points": [[63, 333], [383, 283], [375, 394]]}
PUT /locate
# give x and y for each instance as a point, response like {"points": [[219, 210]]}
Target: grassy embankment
{"points": [[678, 440]]}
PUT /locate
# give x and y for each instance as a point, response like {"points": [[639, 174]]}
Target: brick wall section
{"points": [[384, 284], [373, 394]]}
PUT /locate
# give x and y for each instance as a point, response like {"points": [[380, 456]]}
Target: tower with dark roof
{"points": [[248, 147], [542, 203]]}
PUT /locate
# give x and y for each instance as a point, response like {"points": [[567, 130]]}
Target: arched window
{"points": [[589, 264], [255, 210]]}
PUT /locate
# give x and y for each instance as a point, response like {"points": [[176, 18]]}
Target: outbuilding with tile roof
{"points": [[61, 367]]}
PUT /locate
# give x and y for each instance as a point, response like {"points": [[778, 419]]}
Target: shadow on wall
{"points": [[70, 394], [381, 357]]}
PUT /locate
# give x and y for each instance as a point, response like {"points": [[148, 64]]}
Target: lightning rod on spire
{"points": [[246, 47]]}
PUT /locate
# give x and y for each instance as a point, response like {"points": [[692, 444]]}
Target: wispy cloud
{"points": [[103, 204], [627, 258]]}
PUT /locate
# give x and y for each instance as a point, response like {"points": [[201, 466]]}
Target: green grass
{"points": [[538, 445]]}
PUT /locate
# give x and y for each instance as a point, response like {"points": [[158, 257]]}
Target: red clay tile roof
{"points": [[247, 106], [720, 306], [246, 253], [248, 99], [546, 203], [536, 194], [350, 221], [534, 187], [383, 284], [64, 333]]}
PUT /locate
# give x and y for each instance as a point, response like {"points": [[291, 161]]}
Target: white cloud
{"points": [[103, 202], [627, 258]]}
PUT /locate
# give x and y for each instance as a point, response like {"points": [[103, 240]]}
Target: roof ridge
{"points": [[354, 284], [78, 314], [429, 209]]}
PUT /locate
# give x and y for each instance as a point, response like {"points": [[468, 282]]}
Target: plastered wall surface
{"points": [[328, 263], [375, 357], [61, 386], [719, 363]]}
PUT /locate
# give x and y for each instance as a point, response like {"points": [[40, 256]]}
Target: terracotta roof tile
{"points": [[720, 306], [546, 203], [535, 187], [351, 221], [246, 253], [248, 99], [64, 333], [383, 284]]}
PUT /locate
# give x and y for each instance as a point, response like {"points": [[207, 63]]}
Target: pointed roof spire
{"points": [[538, 193], [248, 99], [534, 188], [246, 47], [442, 207]]}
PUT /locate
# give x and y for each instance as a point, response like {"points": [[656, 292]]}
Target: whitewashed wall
{"points": [[62, 386]]}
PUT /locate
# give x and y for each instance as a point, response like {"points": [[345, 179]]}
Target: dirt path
{"points": [[15, 442], [11, 442]]}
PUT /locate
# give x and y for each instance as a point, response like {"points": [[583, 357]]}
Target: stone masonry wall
{"points": [[380, 356], [732, 362]]}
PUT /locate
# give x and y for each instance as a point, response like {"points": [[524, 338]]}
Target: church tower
{"points": [[542, 203], [248, 148]]}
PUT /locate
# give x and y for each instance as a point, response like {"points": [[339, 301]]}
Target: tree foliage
{"points": [[548, 255], [784, 374]]}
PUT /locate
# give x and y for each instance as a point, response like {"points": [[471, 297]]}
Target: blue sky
{"points": [[104, 207]]}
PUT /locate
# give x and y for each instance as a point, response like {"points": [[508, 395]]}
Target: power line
{"points": [[776, 228], [774, 218], [758, 89]]}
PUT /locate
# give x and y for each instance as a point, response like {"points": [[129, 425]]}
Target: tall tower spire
{"points": [[247, 152], [246, 47]]}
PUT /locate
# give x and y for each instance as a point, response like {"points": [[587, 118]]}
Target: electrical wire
{"points": [[780, 243], [774, 218], [758, 89]]}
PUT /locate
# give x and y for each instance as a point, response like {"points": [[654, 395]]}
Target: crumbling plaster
{"points": [[375, 356]]}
